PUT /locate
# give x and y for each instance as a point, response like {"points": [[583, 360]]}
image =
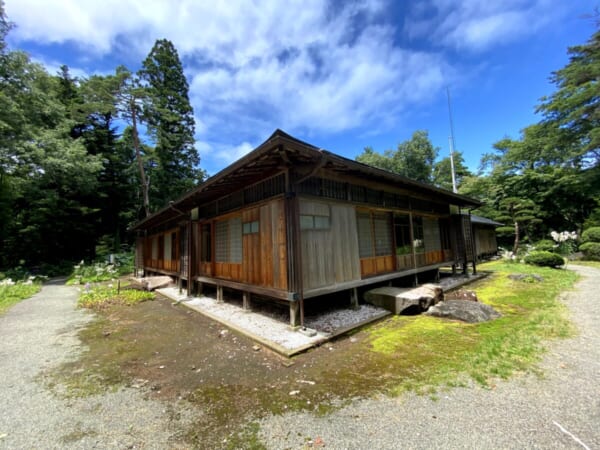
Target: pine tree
{"points": [[170, 120]]}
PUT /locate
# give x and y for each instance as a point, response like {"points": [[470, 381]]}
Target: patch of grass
{"points": [[11, 294], [102, 297], [77, 434], [94, 373], [246, 439], [442, 352], [579, 262]]}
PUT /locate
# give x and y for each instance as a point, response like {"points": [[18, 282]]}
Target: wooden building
{"points": [[290, 221], [484, 233]]}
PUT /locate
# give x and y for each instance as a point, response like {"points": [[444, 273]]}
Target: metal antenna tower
{"points": [[451, 142]]}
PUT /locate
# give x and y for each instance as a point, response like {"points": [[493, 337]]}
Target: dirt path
{"points": [[41, 333], [560, 410]]}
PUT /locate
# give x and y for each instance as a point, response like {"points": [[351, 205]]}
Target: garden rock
{"points": [[461, 294], [399, 300], [470, 312]]}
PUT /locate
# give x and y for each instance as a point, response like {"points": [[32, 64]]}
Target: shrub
{"points": [[100, 298], [591, 250], [544, 259], [545, 245], [591, 235], [102, 271]]}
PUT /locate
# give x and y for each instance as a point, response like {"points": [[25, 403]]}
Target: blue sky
{"points": [[340, 75]]}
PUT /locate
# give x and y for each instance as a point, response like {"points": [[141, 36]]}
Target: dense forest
{"points": [[81, 159]]}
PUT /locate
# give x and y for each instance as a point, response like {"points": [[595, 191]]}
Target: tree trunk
{"points": [[138, 157], [516, 246]]}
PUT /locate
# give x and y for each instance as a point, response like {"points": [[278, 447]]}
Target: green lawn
{"points": [[11, 294], [430, 351]]}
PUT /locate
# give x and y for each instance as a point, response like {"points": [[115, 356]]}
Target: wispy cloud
{"points": [[474, 25]]}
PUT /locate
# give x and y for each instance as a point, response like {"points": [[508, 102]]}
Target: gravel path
{"points": [[40, 333], [561, 410]]}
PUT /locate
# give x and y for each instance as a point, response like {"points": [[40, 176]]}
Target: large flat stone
{"points": [[151, 283], [398, 300]]}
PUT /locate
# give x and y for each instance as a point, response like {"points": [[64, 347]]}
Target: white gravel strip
{"points": [[342, 318], [516, 414], [271, 329]]}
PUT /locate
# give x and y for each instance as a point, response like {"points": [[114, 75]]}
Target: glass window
{"points": [[250, 227], [222, 241], [321, 222], [382, 232], [312, 222], [174, 246], [365, 236], [374, 234], [235, 240], [206, 243], [431, 233], [402, 234]]}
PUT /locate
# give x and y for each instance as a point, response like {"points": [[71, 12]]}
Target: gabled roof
{"points": [[269, 158]]}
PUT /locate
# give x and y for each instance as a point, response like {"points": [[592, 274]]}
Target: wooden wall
{"points": [[162, 251], [485, 241], [264, 254], [329, 256]]}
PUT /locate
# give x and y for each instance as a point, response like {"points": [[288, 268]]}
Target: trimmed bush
{"points": [[591, 250], [591, 235], [544, 259], [546, 245]]}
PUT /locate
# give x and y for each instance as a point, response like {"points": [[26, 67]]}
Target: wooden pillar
{"points": [[190, 255], [200, 289], [219, 294], [294, 252], [246, 301], [295, 315], [354, 298]]}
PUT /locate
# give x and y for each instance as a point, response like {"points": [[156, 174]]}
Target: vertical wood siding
{"points": [[330, 256], [263, 254]]}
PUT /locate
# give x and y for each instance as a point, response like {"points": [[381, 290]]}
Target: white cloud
{"points": [[228, 154], [476, 26]]}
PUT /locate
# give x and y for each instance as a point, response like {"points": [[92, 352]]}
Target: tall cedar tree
{"points": [[170, 120], [575, 107]]}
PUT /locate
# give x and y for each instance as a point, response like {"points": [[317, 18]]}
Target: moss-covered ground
{"points": [[183, 354]]}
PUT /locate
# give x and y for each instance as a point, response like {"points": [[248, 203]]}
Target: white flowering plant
{"points": [[566, 241], [101, 270]]}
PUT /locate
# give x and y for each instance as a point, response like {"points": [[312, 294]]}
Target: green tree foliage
{"points": [[574, 108], [413, 158], [170, 119], [442, 171], [130, 98], [549, 178], [45, 173]]}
